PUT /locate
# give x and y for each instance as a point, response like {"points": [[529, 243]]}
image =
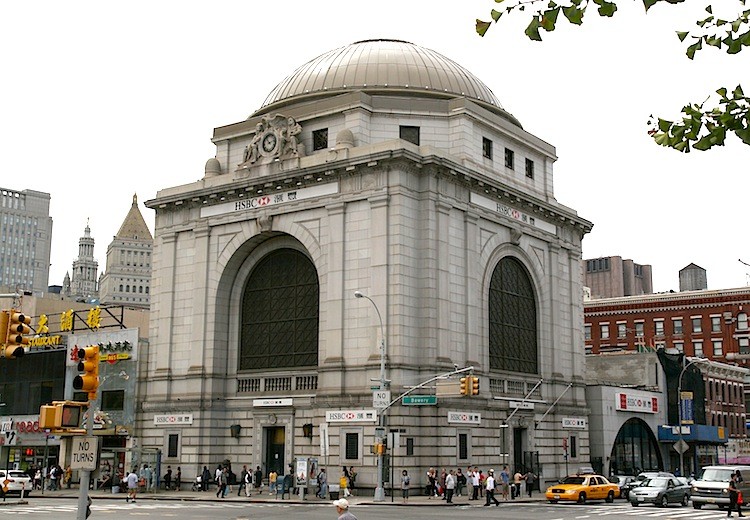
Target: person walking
{"points": [[342, 509], [733, 495], [504, 481], [475, 484], [322, 484], [450, 486], [405, 482], [352, 479], [168, 479], [178, 479], [460, 482], [205, 477], [132, 480], [432, 482], [344, 484], [530, 481], [222, 482], [243, 480], [517, 479], [258, 479], [247, 482], [272, 479], [489, 490]]}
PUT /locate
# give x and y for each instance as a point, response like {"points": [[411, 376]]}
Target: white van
{"points": [[712, 486]]}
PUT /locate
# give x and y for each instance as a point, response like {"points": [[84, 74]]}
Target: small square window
{"points": [[113, 400], [320, 139], [509, 158], [352, 446], [487, 148], [529, 168], [409, 133]]}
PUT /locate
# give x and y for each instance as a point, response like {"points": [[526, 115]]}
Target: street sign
{"points": [[418, 400], [381, 399], [680, 446], [85, 450]]}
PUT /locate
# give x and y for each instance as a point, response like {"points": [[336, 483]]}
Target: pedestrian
{"points": [[482, 478], [243, 479], [322, 484], [733, 495], [68, 476], [405, 481], [475, 484], [168, 478], [178, 479], [258, 480], [342, 508], [505, 480], [223, 480], [205, 477], [247, 482], [344, 484], [272, 480], [450, 486], [132, 480], [517, 479], [530, 480], [38, 479], [460, 482], [148, 478], [490, 488], [432, 482], [352, 478], [53, 478], [441, 483]]}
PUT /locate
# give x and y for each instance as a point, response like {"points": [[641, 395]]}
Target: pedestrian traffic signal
{"points": [[464, 386], [474, 385], [13, 327], [88, 363], [61, 415]]}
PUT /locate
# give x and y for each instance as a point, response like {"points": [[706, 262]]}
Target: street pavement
{"points": [[416, 498]]}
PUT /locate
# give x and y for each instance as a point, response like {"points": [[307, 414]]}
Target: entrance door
{"points": [[519, 447], [275, 440]]}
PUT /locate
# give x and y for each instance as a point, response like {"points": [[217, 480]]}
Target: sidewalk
{"points": [[210, 496]]}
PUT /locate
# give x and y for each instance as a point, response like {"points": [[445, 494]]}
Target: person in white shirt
{"points": [[475, 484], [450, 485], [490, 488], [132, 480]]}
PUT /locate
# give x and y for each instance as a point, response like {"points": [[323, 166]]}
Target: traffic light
{"points": [[474, 385], [464, 387], [61, 415], [88, 364], [16, 326]]}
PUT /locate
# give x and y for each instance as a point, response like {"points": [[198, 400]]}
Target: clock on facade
{"points": [[269, 142]]}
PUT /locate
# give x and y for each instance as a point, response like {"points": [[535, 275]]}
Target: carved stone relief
{"points": [[276, 137]]}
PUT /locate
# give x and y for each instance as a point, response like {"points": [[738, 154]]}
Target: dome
{"points": [[380, 65]]}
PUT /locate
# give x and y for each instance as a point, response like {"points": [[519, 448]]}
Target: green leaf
{"points": [[693, 48], [573, 14], [738, 94], [499, 1], [661, 139], [709, 9], [743, 134], [736, 25], [532, 31], [496, 15], [549, 18], [482, 27], [607, 9], [648, 4], [664, 125], [722, 92], [682, 35], [713, 41]]}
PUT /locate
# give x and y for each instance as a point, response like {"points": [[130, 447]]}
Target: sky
{"points": [[104, 100]]}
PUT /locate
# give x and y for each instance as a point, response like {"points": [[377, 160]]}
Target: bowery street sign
{"points": [[419, 400]]}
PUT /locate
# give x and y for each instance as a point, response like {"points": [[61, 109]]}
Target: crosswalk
{"points": [[43, 507], [646, 511]]}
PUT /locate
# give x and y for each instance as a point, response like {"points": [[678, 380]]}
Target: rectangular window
{"points": [[696, 324], [487, 148], [410, 446], [718, 347], [587, 331], [173, 441], [463, 446], [509, 158], [622, 330], [715, 323], [320, 139], [659, 327], [677, 325], [604, 330], [698, 348], [113, 400], [352, 446], [744, 344], [529, 168], [573, 447], [679, 346], [639, 329], [409, 133]]}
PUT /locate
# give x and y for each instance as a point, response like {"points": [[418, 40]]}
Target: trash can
{"points": [[333, 490]]}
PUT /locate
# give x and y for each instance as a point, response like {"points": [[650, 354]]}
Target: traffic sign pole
{"points": [[83, 496]]}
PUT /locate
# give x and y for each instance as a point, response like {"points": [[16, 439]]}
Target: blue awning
{"points": [[694, 433]]}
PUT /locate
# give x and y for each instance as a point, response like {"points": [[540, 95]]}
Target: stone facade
{"points": [[418, 228]]}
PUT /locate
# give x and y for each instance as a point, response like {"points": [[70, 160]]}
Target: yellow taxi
{"points": [[580, 488]]}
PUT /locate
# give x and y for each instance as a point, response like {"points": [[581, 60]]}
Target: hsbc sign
{"points": [[632, 402], [352, 416], [464, 417]]}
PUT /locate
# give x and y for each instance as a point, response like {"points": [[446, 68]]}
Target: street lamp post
{"points": [[679, 410], [379, 491]]}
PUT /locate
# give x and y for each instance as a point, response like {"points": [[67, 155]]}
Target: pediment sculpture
{"points": [[276, 137]]}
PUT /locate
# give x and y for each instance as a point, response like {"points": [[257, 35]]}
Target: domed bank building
{"points": [[388, 170]]}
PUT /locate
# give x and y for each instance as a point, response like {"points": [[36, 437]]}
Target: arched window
{"points": [[512, 319], [635, 449], [279, 327]]}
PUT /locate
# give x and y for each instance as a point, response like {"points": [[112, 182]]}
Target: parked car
{"points": [[660, 491], [622, 482], [581, 488], [16, 481], [644, 475], [712, 486]]}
